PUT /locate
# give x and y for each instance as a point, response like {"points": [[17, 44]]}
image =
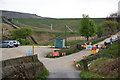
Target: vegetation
{"points": [[112, 52], [49, 55], [70, 43], [110, 26], [21, 34], [88, 27], [96, 67], [42, 32], [58, 24], [44, 75], [86, 75]]}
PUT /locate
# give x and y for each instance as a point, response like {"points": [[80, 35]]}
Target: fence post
{"points": [[33, 49], [85, 65]]}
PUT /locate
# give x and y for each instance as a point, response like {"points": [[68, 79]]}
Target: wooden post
{"points": [[85, 65], [33, 49], [65, 36]]}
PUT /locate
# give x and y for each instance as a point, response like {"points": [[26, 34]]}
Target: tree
{"points": [[100, 30], [22, 33], [110, 26], [87, 27]]}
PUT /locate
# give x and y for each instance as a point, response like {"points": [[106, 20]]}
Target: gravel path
{"points": [[58, 67]]}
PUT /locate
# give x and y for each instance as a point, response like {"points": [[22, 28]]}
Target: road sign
{"points": [[30, 52]]}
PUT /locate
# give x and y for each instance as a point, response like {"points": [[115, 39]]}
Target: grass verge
{"points": [[44, 75]]}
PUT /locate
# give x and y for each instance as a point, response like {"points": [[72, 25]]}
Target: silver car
{"points": [[6, 44]]}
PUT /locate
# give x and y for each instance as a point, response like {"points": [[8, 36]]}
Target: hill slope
{"points": [[12, 14], [58, 24]]}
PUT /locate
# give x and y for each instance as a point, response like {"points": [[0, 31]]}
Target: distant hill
{"points": [[17, 15]]}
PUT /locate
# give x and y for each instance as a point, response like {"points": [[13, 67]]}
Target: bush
{"points": [[23, 41], [22, 32]]}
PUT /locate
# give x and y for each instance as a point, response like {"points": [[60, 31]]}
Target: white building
{"points": [[119, 8]]}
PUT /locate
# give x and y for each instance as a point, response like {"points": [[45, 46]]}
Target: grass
{"points": [[99, 62], [69, 43], [112, 51], [42, 28], [58, 24], [108, 55], [43, 76], [88, 75]]}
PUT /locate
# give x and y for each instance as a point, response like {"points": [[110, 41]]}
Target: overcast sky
{"points": [[62, 8]]}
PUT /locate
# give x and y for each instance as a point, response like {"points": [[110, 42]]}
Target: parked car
{"points": [[6, 44], [9, 43], [15, 42]]}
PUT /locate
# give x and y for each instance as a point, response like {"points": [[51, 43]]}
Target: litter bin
{"points": [[59, 43]]}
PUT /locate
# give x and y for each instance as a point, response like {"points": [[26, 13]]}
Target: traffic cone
{"points": [[76, 66], [74, 60]]}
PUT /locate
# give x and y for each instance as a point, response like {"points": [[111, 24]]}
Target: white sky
{"points": [[62, 8]]}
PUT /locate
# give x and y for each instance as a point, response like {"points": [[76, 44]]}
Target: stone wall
{"points": [[22, 68]]}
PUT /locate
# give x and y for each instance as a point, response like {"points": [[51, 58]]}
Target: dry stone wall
{"points": [[23, 68]]}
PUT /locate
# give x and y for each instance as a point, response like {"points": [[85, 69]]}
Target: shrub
{"points": [[23, 41]]}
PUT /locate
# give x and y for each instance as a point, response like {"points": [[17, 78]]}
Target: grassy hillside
{"points": [[58, 24], [42, 32]]}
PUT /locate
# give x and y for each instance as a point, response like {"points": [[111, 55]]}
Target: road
{"points": [[58, 67]]}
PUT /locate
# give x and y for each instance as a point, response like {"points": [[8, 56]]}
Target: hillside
{"points": [[12, 14], [58, 24], [42, 26], [43, 32]]}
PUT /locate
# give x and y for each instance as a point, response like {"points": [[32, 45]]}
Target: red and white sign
{"points": [[55, 53]]}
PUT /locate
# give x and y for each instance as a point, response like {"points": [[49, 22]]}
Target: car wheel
{"points": [[16, 45], [8, 46]]}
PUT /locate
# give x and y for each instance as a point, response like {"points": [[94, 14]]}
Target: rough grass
{"points": [[69, 43], [113, 51], [109, 55], [86, 75], [98, 63], [43, 76], [44, 35], [58, 24]]}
